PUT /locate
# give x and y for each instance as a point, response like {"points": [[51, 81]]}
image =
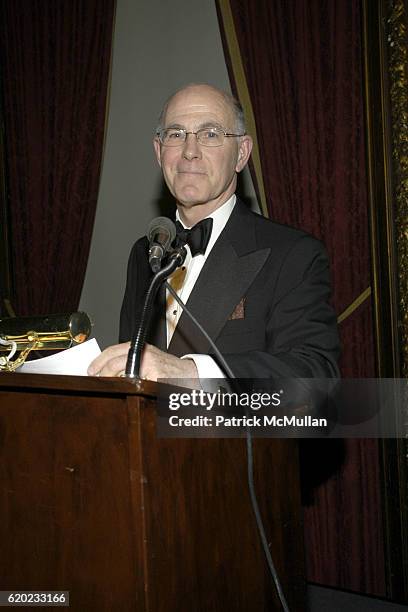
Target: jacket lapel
{"points": [[229, 270]]}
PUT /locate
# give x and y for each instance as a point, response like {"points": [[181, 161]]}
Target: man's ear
{"points": [[244, 152], [157, 149]]}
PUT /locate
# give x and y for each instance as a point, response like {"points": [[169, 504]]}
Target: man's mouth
{"points": [[190, 172]]}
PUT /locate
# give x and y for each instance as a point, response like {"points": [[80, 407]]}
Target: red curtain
{"points": [[55, 60], [302, 66]]}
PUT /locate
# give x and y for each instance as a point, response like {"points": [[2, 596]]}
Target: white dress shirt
{"points": [[183, 281]]}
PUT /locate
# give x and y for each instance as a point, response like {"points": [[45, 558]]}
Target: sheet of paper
{"points": [[73, 361]]}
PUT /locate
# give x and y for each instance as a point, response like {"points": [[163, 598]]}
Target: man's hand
{"points": [[155, 363], [158, 364], [111, 362]]}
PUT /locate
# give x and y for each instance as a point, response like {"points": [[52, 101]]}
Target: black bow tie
{"points": [[197, 237]]}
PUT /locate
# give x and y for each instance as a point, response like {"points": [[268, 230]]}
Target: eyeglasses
{"points": [[209, 137]]}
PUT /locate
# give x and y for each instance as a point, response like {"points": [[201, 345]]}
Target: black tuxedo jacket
{"points": [[262, 296]]}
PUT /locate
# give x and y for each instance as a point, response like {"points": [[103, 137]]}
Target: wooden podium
{"points": [[93, 502]]}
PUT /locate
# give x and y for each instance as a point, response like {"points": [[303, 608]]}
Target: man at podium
{"points": [[259, 289]]}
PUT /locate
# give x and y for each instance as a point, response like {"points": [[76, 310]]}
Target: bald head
{"points": [[201, 177], [203, 89]]}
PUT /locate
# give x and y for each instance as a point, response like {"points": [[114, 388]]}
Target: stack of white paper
{"points": [[73, 361]]}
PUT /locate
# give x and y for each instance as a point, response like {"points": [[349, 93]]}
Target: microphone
{"points": [[160, 233], [176, 259]]}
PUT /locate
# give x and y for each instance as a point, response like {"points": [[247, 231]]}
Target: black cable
{"points": [[223, 363], [261, 529], [250, 458]]}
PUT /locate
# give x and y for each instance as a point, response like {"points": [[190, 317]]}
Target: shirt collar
{"points": [[220, 217]]}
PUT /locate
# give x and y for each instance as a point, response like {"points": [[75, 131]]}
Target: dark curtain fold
{"points": [[55, 61], [302, 63]]}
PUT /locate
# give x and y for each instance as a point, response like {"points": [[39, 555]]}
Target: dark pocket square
{"points": [[239, 311]]}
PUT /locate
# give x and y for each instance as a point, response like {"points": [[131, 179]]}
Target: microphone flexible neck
{"points": [[135, 351]]}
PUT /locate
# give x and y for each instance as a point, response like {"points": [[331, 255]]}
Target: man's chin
{"points": [[190, 199]]}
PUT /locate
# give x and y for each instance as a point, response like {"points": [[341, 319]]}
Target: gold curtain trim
{"points": [[357, 302], [243, 94], [397, 53], [108, 92]]}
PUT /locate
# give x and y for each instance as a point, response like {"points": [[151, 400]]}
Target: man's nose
{"points": [[191, 147]]}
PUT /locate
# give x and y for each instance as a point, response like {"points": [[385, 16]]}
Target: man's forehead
{"points": [[199, 102]]}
